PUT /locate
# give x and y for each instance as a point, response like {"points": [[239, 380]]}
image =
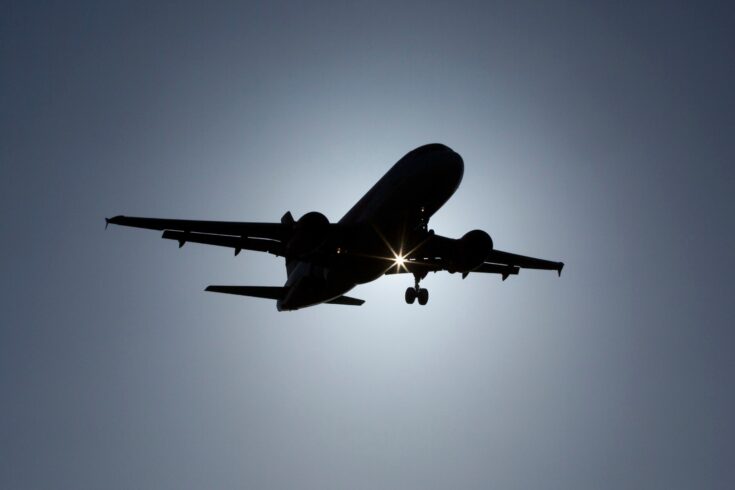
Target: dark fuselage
{"points": [[389, 218]]}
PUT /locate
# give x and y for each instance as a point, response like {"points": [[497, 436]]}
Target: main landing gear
{"points": [[414, 293]]}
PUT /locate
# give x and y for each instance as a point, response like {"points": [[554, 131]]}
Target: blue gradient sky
{"points": [[601, 135]]}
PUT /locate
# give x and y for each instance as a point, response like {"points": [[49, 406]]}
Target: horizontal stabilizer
{"points": [[269, 292], [346, 300]]}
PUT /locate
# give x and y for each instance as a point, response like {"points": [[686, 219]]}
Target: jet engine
{"points": [[309, 233], [471, 250]]}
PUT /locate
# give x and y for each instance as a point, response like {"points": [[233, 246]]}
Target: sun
{"points": [[399, 260]]}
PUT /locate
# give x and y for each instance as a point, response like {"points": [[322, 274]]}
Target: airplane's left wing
{"points": [[438, 253], [261, 237], [515, 260]]}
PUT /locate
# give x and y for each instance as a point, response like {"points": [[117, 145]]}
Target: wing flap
{"points": [[506, 258], [238, 243], [504, 270]]}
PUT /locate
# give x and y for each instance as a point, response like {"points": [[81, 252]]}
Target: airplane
{"points": [[386, 232]]}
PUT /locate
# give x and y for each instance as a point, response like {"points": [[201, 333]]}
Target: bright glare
{"points": [[400, 260]]}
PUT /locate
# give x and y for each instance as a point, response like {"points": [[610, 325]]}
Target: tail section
{"points": [[275, 292], [346, 300], [268, 292]]}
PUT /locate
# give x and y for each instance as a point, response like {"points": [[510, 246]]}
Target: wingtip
{"points": [[561, 266], [115, 220]]}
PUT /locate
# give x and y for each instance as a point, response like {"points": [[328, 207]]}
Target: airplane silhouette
{"points": [[386, 232]]}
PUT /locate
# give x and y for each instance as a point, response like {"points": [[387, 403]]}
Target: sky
{"points": [[601, 134]]}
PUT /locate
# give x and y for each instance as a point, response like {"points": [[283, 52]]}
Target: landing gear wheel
{"points": [[423, 296], [410, 295]]}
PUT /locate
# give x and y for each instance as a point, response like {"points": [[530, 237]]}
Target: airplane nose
{"points": [[457, 165], [450, 166], [434, 161]]}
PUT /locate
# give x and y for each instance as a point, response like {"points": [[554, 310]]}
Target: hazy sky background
{"points": [[599, 134]]}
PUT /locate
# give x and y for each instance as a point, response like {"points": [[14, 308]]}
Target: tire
{"points": [[410, 295], [423, 296]]}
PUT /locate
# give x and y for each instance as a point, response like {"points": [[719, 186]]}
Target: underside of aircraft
{"points": [[386, 232]]}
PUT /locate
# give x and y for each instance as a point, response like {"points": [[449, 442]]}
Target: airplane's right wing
{"points": [[270, 231], [261, 237]]}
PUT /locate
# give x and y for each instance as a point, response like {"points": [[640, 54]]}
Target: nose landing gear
{"points": [[414, 293]]}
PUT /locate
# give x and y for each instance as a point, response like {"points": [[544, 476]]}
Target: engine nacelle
{"points": [[471, 250], [309, 233]]}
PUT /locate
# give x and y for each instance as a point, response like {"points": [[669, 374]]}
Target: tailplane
{"points": [[275, 292], [269, 292], [346, 300]]}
